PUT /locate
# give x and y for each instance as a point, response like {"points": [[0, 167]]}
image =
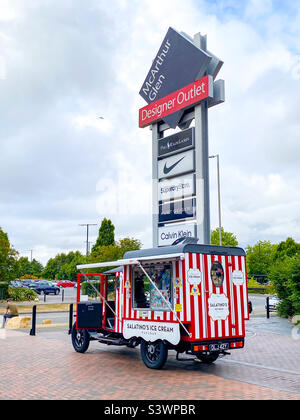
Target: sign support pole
{"points": [[155, 137], [202, 162]]}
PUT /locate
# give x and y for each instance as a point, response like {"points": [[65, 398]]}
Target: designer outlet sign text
{"points": [[181, 99]]}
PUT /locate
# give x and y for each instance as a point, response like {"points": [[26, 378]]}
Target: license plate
{"points": [[219, 347]]}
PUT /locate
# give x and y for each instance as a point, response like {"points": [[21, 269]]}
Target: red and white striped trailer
{"points": [[189, 298]]}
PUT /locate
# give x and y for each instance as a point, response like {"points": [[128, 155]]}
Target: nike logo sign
{"points": [[168, 170]]}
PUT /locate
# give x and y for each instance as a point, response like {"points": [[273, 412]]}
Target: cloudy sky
{"points": [[65, 63]]}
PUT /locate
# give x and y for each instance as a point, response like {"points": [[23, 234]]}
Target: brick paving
{"points": [[46, 367]]}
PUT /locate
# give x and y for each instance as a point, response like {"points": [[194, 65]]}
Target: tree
{"points": [[36, 268], [260, 258], [26, 268], [280, 275], [129, 244], [8, 258], [106, 235], [113, 252], [287, 248], [228, 238], [60, 266], [294, 284], [69, 269], [23, 267], [54, 265]]}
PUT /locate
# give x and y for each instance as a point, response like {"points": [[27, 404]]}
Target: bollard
{"points": [[71, 319], [33, 321], [45, 297], [268, 307], [63, 295]]}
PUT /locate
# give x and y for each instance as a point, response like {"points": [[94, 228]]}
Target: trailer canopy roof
{"points": [[130, 261], [175, 251], [184, 248]]}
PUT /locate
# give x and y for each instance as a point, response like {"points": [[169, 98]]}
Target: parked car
{"points": [[46, 288], [27, 283], [273, 303], [15, 284], [53, 283], [66, 283]]}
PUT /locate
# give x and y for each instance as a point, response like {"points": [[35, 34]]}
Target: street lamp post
{"points": [[219, 195], [87, 225]]}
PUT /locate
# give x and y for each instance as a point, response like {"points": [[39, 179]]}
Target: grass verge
{"points": [[27, 309]]}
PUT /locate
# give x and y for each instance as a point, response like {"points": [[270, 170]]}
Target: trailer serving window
{"points": [[146, 295]]}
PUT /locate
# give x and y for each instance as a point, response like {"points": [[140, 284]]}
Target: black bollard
{"points": [[63, 295], [33, 321], [71, 319], [268, 307]]}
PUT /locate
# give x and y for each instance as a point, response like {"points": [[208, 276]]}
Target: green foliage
{"points": [[294, 284], [4, 290], [69, 270], [88, 289], [287, 248], [284, 275], [8, 257], [113, 252], [228, 238], [63, 266], [26, 268], [260, 258], [22, 294], [257, 288], [106, 235]]}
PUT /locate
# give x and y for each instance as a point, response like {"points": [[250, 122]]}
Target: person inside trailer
{"points": [[139, 291]]}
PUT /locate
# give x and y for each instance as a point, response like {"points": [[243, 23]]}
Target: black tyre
{"points": [[80, 340], [208, 358], [154, 355]]}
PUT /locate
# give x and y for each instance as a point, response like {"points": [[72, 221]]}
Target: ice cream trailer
{"points": [[188, 297]]}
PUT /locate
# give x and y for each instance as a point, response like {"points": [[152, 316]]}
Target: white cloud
{"points": [[68, 63]]}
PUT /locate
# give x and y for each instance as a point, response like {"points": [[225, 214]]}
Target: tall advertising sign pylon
{"points": [[179, 88]]}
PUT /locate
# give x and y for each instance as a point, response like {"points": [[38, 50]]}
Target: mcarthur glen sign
{"points": [[177, 64], [179, 88]]}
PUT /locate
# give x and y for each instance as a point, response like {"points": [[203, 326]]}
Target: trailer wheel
{"points": [[208, 358], [80, 340], [154, 355]]}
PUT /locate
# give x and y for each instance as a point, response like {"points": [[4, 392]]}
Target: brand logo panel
{"points": [[177, 142], [177, 188], [167, 235], [177, 210], [176, 165]]}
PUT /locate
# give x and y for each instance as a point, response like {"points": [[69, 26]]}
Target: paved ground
{"points": [[46, 367]]}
